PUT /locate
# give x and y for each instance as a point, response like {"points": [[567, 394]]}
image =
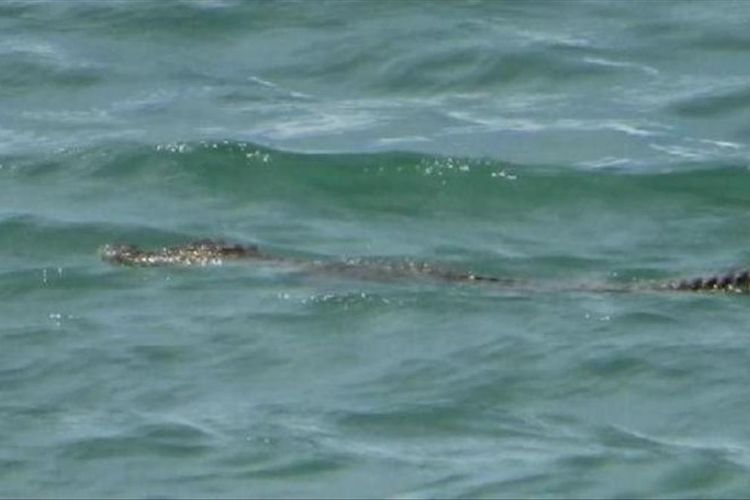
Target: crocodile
{"points": [[212, 252]]}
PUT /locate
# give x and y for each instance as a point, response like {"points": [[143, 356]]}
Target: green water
{"points": [[591, 143]]}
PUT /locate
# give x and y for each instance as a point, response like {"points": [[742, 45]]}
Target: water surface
{"points": [[587, 142]]}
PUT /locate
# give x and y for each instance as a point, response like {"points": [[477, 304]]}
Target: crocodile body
{"points": [[209, 252]]}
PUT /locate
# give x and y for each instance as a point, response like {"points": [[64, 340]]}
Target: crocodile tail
{"points": [[730, 282]]}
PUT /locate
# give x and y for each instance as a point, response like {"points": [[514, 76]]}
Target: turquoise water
{"points": [[553, 143]]}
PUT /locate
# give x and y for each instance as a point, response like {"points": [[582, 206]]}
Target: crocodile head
{"points": [[119, 254], [204, 252]]}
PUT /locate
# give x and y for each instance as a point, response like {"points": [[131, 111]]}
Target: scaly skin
{"points": [[208, 252], [199, 253], [738, 282]]}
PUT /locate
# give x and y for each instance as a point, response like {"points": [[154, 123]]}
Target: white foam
{"points": [[599, 61]]}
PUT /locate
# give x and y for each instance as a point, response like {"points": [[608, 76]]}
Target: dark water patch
{"points": [[615, 366], [299, 468], [704, 470], [28, 334], [160, 355], [717, 104], [11, 376], [10, 466], [721, 42], [13, 9], [624, 439], [664, 319], [21, 74], [173, 439], [187, 18], [424, 421]]}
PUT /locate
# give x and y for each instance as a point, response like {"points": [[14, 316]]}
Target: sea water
{"points": [[552, 143]]}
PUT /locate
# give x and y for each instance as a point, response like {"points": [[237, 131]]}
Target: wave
{"points": [[237, 170]]}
